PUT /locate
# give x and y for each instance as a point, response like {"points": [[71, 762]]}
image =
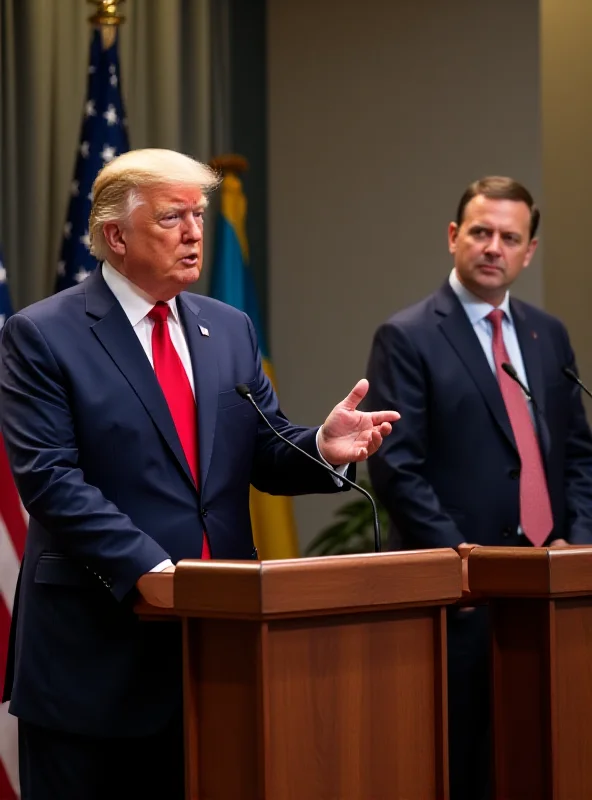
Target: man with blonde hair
{"points": [[131, 450]]}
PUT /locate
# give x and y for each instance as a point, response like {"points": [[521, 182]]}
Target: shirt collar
{"points": [[135, 301], [476, 309]]}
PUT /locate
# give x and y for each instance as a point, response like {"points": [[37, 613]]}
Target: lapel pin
{"points": [[204, 331], [534, 335]]}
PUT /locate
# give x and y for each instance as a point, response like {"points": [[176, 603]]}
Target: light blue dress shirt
{"points": [[477, 311]]}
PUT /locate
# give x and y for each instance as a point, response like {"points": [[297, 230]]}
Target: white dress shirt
{"points": [[137, 305]]}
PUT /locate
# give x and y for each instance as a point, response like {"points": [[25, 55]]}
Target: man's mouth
{"points": [[490, 267], [190, 260]]}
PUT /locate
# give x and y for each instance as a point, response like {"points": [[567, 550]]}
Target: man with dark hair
{"points": [[472, 460]]}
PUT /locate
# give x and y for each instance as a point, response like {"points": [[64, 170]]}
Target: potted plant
{"points": [[353, 530]]}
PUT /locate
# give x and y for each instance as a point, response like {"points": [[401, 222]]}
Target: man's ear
{"points": [[532, 246], [452, 237], [114, 236]]}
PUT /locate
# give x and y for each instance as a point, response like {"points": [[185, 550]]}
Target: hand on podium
{"points": [[156, 590], [559, 543]]}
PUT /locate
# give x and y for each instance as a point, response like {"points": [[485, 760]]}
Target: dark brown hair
{"points": [[497, 187]]}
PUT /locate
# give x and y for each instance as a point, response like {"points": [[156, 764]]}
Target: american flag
{"points": [[13, 529], [102, 137]]}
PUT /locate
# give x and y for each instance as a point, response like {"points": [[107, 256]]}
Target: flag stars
{"points": [[81, 275], [108, 153], [61, 269], [67, 230], [86, 240], [2, 320], [85, 149], [75, 188], [2, 273], [89, 109], [113, 80], [91, 70], [111, 115]]}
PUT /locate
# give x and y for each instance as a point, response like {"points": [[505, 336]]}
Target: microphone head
{"points": [[569, 373], [243, 390], [510, 370]]}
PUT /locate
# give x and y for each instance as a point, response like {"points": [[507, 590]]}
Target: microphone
{"points": [[569, 373], [509, 370], [244, 391]]}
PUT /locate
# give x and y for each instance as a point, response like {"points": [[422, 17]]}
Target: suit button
{"points": [[506, 532], [204, 512], [514, 474]]}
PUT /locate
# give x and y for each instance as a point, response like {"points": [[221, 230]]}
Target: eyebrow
{"points": [[164, 210], [481, 226]]}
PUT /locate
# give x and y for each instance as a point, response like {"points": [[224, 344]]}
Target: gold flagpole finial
{"points": [[107, 19]]}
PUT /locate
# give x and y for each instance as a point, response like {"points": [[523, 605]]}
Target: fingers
{"points": [[379, 417], [357, 394]]}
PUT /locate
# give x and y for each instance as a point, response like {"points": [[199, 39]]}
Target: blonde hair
{"points": [[117, 188]]}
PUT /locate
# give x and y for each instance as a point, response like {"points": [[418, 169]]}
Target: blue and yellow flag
{"points": [[272, 516]]}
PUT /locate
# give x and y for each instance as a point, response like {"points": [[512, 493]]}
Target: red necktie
{"points": [[176, 388], [536, 518]]}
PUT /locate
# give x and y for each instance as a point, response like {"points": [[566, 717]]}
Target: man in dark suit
{"points": [[472, 460], [131, 450]]}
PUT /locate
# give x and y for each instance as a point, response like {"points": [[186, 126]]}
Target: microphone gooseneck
{"points": [[243, 390], [509, 370], [569, 373]]}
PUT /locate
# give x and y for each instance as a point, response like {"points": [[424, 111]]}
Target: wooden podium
{"points": [[541, 605], [318, 678]]}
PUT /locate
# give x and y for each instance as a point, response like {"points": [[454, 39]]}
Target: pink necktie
{"points": [[536, 518], [176, 388]]}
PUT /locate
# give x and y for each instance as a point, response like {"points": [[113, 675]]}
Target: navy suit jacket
{"points": [[101, 471], [449, 472]]}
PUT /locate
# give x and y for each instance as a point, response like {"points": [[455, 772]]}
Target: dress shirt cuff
{"points": [[162, 566], [342, 469]]}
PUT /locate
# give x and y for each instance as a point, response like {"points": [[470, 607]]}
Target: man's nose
{"points": [[494, 244], [192, 228]]}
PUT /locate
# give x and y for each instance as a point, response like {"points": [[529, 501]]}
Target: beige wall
{"points": [[566, 81], [379, 114]]}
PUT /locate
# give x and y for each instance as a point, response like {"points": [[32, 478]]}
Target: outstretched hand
{"points": [[349, 435]]}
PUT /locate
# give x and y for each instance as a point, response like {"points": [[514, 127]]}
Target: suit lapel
{"points": [[528, 339], [113, 330], [456, 327], [205, 376]]}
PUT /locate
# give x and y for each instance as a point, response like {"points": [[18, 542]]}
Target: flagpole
{"points": [[107, 18]]}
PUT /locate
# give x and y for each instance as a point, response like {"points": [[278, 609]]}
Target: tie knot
{"points": [[495, 317], [159, 313]]}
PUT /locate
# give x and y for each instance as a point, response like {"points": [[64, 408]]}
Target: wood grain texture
{"points": [[330, 686], [317, 585], [521, 699], [530, 572], [344, 707], [541, 601]]}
